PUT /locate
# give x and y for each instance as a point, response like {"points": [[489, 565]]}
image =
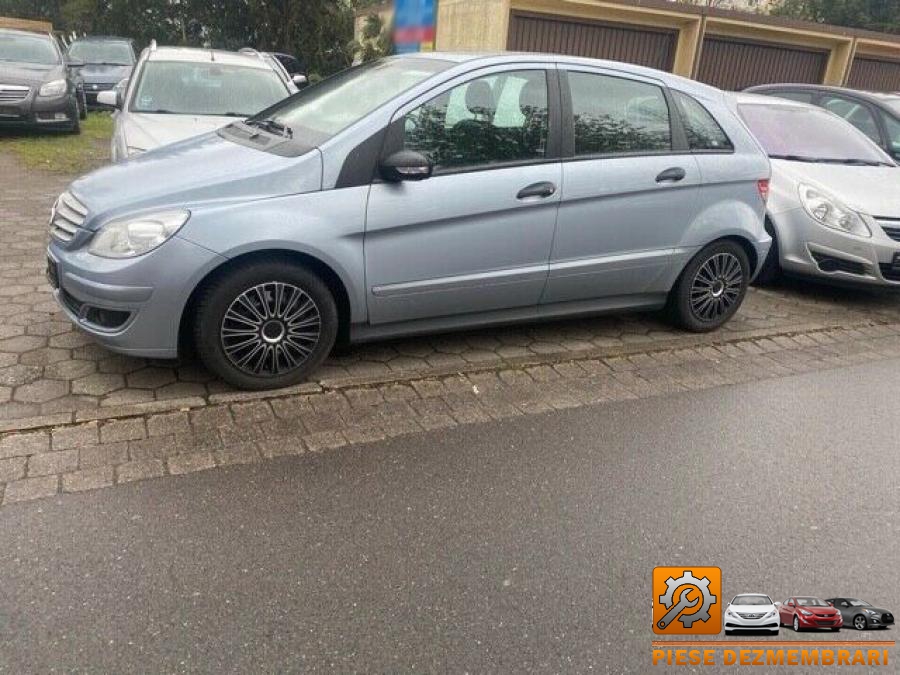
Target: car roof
{"points": [[28, 33], [195, 55], [874, 96], [774, 101], [501, 58], [101, 38]]}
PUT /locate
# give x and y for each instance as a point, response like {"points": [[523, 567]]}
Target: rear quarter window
{"points": [[702, 131]]}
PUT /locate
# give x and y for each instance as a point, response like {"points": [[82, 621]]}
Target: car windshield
{"points": [[808, 135], [331, 106], [109, 53], [27, 49], [859, 603], [752, 600], [207, 88], [811, 602]]}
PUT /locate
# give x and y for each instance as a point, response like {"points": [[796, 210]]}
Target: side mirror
{"points": [[300, 80], [110, 98], [406, 165]]}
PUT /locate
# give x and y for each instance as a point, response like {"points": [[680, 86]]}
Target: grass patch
{"points": [[62, 152]]}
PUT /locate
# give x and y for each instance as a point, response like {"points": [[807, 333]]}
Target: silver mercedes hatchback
{"points": [[418, 194]]}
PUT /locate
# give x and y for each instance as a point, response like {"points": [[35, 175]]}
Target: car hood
{"points": [[31, 74], [149, 131], [874, 190], [103, 74], [752, 609], [203, 170]]}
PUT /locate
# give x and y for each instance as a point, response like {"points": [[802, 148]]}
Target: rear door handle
{"points": [[540, 190], [673, 175]]}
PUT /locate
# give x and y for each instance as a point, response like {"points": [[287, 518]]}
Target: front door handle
{"points": [[540, 190], [673, 175]]}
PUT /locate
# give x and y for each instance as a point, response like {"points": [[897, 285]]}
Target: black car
{"points": [[107, 61], [38, 88], [861, 615], [876, 115]]}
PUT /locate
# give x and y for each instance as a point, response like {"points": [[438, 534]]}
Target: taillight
{"points": [[763, 187]]}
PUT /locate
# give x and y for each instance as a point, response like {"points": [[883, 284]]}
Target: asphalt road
{"points": [[525, 545]]}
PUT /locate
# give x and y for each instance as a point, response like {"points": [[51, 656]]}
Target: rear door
{"points": [[630, 188], [476, 236]]}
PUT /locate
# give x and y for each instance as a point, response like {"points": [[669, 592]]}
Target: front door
{"points": [[628, 194], [476, 236]]}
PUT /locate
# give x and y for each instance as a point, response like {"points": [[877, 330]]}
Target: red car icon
{"points": [[804, 612]]}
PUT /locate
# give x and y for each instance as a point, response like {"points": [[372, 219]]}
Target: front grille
{"points": [[99, 86], [891, 227], [67, 217], [889, 272], [749, 616], [830, 263], [10, 93], [887, 617]]}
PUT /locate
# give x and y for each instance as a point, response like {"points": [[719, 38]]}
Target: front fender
{"points": [[328, 226]]}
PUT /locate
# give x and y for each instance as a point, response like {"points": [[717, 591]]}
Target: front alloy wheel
{"points": [[265, 324], [860, 623], [796, 624]]}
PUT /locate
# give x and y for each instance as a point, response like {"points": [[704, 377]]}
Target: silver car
{"points": [[417, 194], [834, 211], [179, 92]]}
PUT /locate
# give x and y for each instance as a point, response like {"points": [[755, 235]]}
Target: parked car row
{"points": [[422, 193], [757, 612]]}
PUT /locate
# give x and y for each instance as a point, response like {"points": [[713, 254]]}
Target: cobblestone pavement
{"points": [[76, 457], [52, 374]]}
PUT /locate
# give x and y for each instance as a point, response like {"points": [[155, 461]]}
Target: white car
{"points": [[751, 611], [175, 93], [834, 204]]}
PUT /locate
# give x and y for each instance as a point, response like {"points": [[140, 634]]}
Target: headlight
{"points": [[55, 88], [131, 237], [806, 612], [872, 612], [771, 614], [830, 212]]}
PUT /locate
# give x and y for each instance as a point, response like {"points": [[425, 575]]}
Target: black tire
{"points": [[796, 624], [685, 306], [770, 272], [282, 361], [856, 622], [729, 632], [75, 129], [82, 106]]}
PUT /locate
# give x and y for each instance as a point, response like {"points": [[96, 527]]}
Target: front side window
{"points": [[207, 88], [491, 120], [892, 126], [27, 49], [702, 130], [858, 114], [612, 115], [105, 53]]}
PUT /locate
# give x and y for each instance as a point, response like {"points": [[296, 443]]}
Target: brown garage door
{"points": [[875, 74], [619, 42], [737, 64]]}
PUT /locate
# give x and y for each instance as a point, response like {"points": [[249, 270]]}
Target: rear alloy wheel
{"points": [[266, 325], [859, 622], [711, 288]]}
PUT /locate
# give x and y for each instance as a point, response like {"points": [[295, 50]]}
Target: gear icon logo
{"points": [[686, 600]]}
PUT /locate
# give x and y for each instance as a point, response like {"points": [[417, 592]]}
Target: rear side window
{"points": [[701, 128], [613, 115]]}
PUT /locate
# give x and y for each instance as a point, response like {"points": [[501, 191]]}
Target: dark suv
{"points": [[876, 115], [107, 61], [39, 88]]}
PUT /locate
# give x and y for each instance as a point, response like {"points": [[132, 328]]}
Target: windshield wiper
{"points": [[855, 162], [271, 126], [795, 158]]}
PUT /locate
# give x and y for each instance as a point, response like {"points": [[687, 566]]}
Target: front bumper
{"points": [[736, 622], [809, 249], [820, 622], [36, 111], [131, 306]]}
